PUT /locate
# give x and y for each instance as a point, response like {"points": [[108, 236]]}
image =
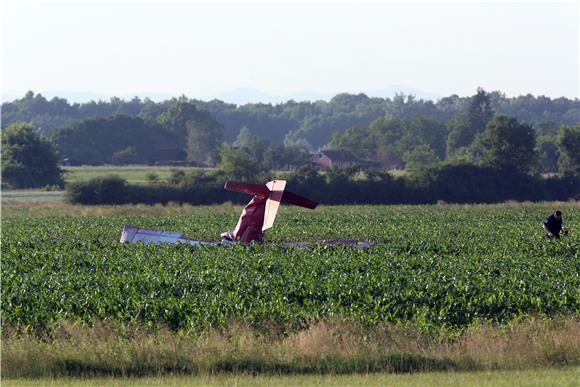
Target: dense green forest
{"points": [[401, 132], [312, 121]]}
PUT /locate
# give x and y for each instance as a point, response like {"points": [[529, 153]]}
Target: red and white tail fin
{"points": [[275, 193]]}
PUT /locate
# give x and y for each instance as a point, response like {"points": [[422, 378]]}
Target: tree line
{"points": [[477, 135], [309, 124], [412, 135]]}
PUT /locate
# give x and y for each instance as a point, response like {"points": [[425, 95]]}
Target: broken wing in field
{"points": [[133, 234]]}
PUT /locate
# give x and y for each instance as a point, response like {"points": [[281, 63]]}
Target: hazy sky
{"points": [[201, 48]]}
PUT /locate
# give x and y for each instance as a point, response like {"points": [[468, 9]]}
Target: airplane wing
{"points": [[134, 234]]}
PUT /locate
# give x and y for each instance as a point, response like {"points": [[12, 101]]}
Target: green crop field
{"points": [[440, 266], [437, 269]]}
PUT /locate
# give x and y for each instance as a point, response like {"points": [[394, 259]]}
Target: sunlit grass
{"points": [[542, 377], [334, 347]]}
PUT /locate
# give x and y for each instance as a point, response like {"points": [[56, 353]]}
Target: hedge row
{"points": [[449, 183]]}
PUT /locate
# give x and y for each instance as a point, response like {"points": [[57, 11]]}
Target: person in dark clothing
{"points": [[553, 225]]}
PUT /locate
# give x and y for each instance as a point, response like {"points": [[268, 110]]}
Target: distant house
{"points": [[168, 156], [333, 158]]}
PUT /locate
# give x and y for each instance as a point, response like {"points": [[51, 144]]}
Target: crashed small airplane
{"points": [[257, 217]]}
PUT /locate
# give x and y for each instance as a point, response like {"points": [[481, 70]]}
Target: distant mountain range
{"points": [[238, 96]]}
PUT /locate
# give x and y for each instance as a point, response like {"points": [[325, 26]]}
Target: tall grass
{"points": [[337, 347]]}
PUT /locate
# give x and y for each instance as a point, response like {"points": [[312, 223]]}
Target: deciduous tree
{"points": [[480, 111], [419, 156], [203, 141], [28, 159], [507, 144], [182, 116], [238, 164], [568, 143]]}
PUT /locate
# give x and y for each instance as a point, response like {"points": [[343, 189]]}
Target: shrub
{"points": [[469, 183], [29, 160], [452, 183], [110, 189]]}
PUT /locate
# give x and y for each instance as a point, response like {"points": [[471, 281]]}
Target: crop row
{"points": [[439, 266]]}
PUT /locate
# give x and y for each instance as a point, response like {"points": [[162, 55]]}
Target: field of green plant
{"points": [[436, 266]]}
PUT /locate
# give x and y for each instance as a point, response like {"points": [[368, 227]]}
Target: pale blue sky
{"points": [[196, 48]]}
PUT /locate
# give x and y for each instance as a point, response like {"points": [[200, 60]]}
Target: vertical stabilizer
{"points": [[276, 188]]}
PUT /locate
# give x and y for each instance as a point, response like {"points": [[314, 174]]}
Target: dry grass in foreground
{"points": [[325, 347]]}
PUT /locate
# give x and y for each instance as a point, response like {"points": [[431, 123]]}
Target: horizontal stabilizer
{"points": [[247, 188], [265, 190], [297, 200]]}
